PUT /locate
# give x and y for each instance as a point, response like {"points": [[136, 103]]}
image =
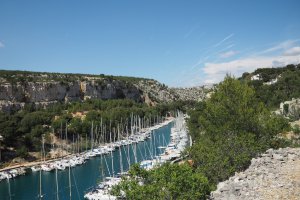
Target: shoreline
{"points": [[102, 190], [33, 163], [27, 165]]}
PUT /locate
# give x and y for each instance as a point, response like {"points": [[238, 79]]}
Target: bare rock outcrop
{"points": [[18, 88], [192, 93], [153, 91], [15, 96], [273, 175]]}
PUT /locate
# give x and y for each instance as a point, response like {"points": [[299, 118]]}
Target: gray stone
{"points": [[264, 174], [278, 157], [292, 156]]}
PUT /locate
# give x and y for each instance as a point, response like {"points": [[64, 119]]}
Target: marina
{"points": [[178, 141], [57, 183]]}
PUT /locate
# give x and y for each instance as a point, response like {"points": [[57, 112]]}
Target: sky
{"points": [[179, 43]]}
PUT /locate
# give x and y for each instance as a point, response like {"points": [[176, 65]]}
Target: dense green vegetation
{"points": [[231, 128], [166, 182], [286, 88], [14, 76], [228, 130], [22, 130]]}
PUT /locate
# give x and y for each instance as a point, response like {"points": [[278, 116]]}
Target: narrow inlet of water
{"points": [[83, 177]]}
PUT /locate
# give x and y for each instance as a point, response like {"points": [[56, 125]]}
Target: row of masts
{"points": [[178, 143], [101, 133]]}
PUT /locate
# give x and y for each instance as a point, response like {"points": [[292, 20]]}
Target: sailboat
{"points": [[40, 195]]}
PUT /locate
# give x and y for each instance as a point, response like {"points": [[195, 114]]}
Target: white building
{"points": [[255, 77]]}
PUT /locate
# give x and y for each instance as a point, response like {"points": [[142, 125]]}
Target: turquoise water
{"points": [[83, 177]]}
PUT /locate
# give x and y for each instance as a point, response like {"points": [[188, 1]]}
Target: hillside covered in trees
{"points": [[228, 130], [19, 89], [33, 104], [22, 131], [275, 85]]}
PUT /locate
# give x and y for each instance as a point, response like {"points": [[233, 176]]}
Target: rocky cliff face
{"points": [[193, 93], [18, 88], [274, 175], [154, 92], [15, 96]]}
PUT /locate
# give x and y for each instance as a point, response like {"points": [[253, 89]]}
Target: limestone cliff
{"points": [[18, 88], [193, 93], [15, 96]]}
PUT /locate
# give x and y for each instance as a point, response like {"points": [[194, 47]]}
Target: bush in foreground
{"points": [[166, 182]]}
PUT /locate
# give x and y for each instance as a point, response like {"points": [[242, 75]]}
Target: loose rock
{"points": [[274, 175]]}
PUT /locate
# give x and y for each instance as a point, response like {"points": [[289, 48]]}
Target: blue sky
{"points": [[179, 43]]}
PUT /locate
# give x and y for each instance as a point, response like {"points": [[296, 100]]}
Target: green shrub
{"points": [[166, 182]]}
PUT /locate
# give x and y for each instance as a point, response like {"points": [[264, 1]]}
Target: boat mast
{"points": [[95, 136], [70, 186], [128, 150], [101, 156], [61, 138], [40, 195], [101, 131], [111, 153], [57, 196], [42, 155], [73, 145], [66, 135], [9, 192], [92, 137], [120, 152], [110, 131]]}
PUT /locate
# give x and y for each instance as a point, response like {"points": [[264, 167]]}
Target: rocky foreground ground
{"points": [[274, 175]]}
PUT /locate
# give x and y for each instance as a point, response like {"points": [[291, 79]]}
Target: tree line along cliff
{"points": [[20, 88]]}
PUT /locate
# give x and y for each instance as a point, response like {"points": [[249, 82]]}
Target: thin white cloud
{"points": [[294, 51], [286, 52], [227, 47], [189, 78], [281, 46], [228, 54], [215, 72], [1, 44], [222, 41], [190, 32], [200, 61], [207, 53], [208, 71]]}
